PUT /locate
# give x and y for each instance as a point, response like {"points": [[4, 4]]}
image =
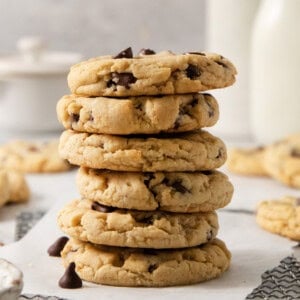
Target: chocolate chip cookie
{"points": [[173, 191], [247, 161], [32, 157], [13, 187], [282, 161], [138, 114], [147, 267], [194, 151], [89, 221], [153, 74], [280, 216]]}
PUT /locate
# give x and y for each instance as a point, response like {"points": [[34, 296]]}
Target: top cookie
{"points": [[150, 74]]}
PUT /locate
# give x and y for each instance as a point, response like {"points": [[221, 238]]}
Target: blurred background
{"points": [[253, 34]]}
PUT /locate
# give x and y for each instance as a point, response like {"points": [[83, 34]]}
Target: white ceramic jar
{"points": [[275, 79], [229, 27], [31, 83]]}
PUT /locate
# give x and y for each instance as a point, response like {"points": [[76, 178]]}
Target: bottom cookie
{"points": [[280, 217], [147, 267]]}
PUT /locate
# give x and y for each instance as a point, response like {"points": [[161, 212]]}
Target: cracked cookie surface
{"points": [[176, 113], [280, 217], [32, 157], [155, 74], [174, 192], [86, 220], [193, 151], [148, 267]]}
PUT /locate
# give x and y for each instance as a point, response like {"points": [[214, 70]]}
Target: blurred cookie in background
{"points": [[13, 187], [32, 157], [280, 216]]}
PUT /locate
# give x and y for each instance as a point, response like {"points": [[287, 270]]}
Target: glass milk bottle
{"points": [[229, 26], [275, 76]]}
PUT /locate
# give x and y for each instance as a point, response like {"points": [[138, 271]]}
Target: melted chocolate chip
{"points": [[295, 153], [101, 208], [74, 117], [110, 83], [176, 185], [152, 267], [127, 53], [70, 280], [57, 246], [146, 52], [192, 72], [179, 187], [124, 79], [211, 111]]}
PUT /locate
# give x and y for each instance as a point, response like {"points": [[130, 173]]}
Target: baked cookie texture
{"points": [[248, 161], [138, 115], [192, 151], [280, 216], [13, 187], [32, 157], [282, 161], [156, 74], [88, 221], [147, 267], [166, 191]]}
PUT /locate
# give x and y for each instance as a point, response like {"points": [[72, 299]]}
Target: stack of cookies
{"points": [[147, 177]]}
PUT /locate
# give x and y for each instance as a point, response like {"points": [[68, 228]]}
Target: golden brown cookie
{"points": [[147, 267], [135, 115], [156, 74], [166, 191]]}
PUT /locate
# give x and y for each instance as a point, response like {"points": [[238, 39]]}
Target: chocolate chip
{"points": [[196, 53], [209, 235], [152, 267], [70, 280], [211, 111], [112, 84], [146, 52], [220, 153], [221, 64], [192, 72], [74, 117], [124, 79], [33, 149], [57, 246], [101, 208], [91, 117], [127, 53], [295, 153], [194, 102], [176, 185], [297, 201], [147, 178], [179, 187], [260, 148]]}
